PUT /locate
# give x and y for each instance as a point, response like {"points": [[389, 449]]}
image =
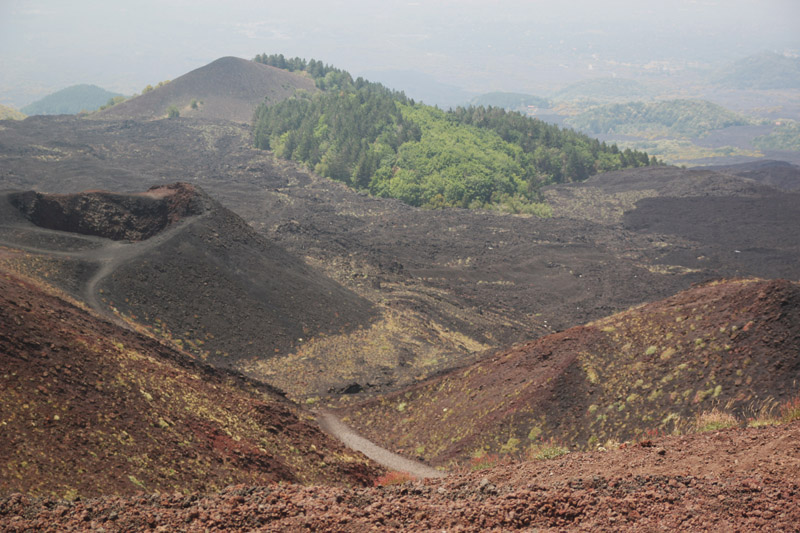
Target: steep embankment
{"points": [[654, 367], [89, 408], [228, 88]]}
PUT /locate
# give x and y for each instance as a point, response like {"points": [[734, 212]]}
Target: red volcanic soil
{"points": [[655, 367], [114, 216], [732, 480], [229, 88], [88, 408]]}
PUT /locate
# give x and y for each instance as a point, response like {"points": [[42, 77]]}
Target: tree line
{"points": [[376, 139]]}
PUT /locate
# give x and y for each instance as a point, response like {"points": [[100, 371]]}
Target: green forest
{"points": [[784, 137], [673, 118], [378, 140]]}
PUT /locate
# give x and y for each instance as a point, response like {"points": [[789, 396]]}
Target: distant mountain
{"points": [[70, 101], [603, 90], [766, 70], [681, 118], [228, 88], [510, 101], [9, 113]]}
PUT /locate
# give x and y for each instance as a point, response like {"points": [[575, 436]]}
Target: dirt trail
{"points": [[108, 255], [331, 424], [117, 253]]}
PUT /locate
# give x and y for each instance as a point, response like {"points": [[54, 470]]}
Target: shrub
{"points": [[172, 112]]}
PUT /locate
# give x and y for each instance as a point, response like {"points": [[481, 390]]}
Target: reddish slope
{"points": [[734, 480], [651, 368], [228, 88], [88, 408]]}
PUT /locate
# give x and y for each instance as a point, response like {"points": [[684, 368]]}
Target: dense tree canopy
{"points": [[376, 139]]}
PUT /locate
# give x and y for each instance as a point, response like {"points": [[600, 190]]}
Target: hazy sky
{"points": [[510, 45]]}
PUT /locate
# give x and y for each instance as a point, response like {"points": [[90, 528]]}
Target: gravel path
{"points": [[331, 424]]}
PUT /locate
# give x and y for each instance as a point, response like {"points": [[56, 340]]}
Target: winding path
{"points": [[109, 256], [331, 424]]}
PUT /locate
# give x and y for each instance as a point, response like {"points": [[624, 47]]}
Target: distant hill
{"points": [[681, 118], [654, 368], [603, 90], [376, 139], [9, 113], [228, 88], [766, 70], [70, 101], [90, 409], [783, 137], [510, 101]]}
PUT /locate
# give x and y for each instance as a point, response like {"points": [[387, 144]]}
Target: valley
{"points": [[192, 317]]}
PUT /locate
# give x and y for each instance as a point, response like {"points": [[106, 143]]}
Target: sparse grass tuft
{"points": [[546, 450], [715, 420], [790, 410]]}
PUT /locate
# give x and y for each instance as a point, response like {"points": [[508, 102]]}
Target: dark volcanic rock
{"points": [[132, 217]]}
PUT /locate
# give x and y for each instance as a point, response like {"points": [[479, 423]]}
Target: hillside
{"points": [[91, 409], [9, 113], [766, 70], [670, 118], [71, 100], [778, 174], [707, 482], [652, 368], [783, 137], [177, 262], [228, 88], [444, 285], [379, 141]]}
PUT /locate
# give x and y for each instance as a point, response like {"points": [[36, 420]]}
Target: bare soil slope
{"points": [[91, 409], [228, 88], [654, 368], [731, 481], [231, 294]]}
